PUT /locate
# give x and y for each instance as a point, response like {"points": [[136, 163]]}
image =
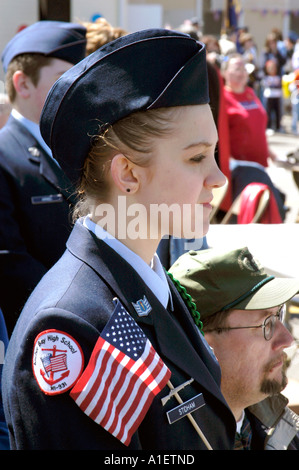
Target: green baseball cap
{"points": [[219, 280]]}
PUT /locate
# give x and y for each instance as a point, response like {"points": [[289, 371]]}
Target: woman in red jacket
{"points": [[246, 114], [247, 123]]}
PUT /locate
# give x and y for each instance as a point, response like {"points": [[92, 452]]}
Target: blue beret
{"points": [[56, 39], [140, 71]]}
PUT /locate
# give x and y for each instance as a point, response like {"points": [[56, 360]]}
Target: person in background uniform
{"points": [[4, 438], [106, 336], [35, 195], [5, 109], [241, 308]]}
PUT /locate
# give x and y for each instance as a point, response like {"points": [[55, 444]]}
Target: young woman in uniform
{"points": [[107, 334]]}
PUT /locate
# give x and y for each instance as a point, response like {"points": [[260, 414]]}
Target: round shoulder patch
{"points": [[57, 361]]}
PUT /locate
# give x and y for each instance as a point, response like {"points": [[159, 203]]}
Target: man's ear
{"points": [[210, 339], [124, 173], [22, 84]]}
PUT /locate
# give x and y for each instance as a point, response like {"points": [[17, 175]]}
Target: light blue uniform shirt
{"points": [[153, 275], [34, 130]]}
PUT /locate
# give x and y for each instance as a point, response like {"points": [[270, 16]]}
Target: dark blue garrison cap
{"points": [[56, 39], [140, 71]]}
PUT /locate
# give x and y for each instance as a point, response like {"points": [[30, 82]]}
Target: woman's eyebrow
{"points": [[201, 143]]}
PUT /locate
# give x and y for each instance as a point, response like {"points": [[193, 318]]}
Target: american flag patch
{"points": [[54, 364], [122, 378]]}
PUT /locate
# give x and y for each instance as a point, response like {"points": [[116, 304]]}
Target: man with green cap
{"points": [[242, 311]]}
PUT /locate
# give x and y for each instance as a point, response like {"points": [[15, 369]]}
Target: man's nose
{"points": [[282, 338]]}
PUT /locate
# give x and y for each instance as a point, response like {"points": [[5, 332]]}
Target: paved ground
{"points": [[282, 144], [281, 174]]}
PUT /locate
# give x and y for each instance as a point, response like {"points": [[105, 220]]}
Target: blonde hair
{"points": [[100, 32], [135, 137]]}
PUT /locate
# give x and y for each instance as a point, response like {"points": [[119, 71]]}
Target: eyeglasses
{"points": [[268, 325]]}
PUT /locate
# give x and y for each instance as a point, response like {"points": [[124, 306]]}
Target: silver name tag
{"points": [[185, 408], [47, 199]]}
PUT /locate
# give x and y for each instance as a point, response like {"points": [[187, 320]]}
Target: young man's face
{"points": [[48, 76]]}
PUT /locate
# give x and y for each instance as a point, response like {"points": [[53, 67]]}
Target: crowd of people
{"points": [[97, 328], [259, 87], [272, 71]]}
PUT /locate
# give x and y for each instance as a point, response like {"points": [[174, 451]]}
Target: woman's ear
{"points": [[22, 84], [124, 173]]}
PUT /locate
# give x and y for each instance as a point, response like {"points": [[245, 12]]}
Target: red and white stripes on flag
{"points": [[54, 363], [122, 378]]}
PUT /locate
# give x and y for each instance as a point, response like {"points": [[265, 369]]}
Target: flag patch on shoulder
{"points": [[57, 361], [122, 378]]}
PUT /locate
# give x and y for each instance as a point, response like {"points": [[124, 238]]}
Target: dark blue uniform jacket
{"points": [[76, 297], [35, 201]]}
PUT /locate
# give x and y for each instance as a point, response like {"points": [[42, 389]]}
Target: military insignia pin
{"points": [[142, 307]]}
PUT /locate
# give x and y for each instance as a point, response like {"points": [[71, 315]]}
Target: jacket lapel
{"points": [[82, 245], [54, 175], [179, 341], [48, 169]]}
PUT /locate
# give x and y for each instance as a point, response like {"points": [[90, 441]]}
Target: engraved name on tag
{"points": [[185, 408], [47, 199]]}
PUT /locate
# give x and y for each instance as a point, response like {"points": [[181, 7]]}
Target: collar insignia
{"points": [[34, 151], [142, 307]]}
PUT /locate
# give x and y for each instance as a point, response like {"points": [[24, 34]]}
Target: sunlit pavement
{"points": [[281, 144]]}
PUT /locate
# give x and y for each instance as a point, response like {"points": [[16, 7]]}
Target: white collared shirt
{"points": [[153, 275], [33, 128], [240, 423]]}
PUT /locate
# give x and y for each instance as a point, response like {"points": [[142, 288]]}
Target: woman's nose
{"points": [[216, 179]]}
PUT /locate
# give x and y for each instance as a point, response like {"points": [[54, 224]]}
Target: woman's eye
{"points": [[197, 158]]}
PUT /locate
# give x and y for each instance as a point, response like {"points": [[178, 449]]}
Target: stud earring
{"points": [[128, 190]]}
